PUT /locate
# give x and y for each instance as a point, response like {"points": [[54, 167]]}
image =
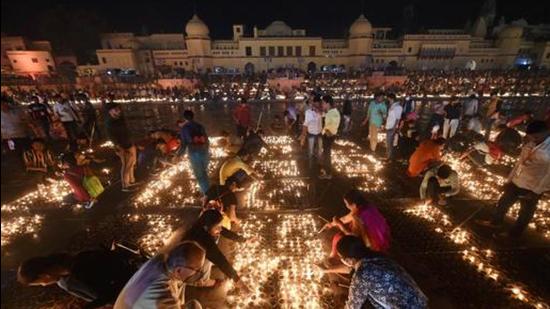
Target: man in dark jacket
{"points": [[119, 134]]}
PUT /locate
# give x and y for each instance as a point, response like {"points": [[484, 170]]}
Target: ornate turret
{"points": [[196, 28], [361, 27]]}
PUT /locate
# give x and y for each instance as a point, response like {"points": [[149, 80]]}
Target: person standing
{"points": [[470, 112], [68, 117], [437, 120], [160, 283], [330, 130], [529, 179], [392, 125], [471, 106], [242, 117], [194, 139], [313, 125], [90, 120], [375, 118], [40, 115], [452, 118], [491, 114], [118, 132], [377, 279], [409, 106], [347, 110]]}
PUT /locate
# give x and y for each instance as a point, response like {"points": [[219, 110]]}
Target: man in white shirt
{"points": [[392, 123], [313, 125], [471, 106], [67, 115], [529, 179], [160, 283]]}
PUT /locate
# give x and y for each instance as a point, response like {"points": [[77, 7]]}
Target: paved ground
{"points": [[450, 261]]}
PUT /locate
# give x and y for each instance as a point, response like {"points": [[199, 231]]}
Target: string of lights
{"points": [[472, 253]]}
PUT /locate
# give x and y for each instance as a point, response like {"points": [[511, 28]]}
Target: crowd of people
{"points": [[361, 238]]}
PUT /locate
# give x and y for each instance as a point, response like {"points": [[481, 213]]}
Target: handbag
{"points": [[93, 185]]}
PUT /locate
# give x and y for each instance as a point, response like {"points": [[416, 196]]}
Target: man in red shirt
{"points": [[242, 117]]}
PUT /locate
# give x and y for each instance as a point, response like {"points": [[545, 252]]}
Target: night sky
{"points": [[75, 24], [318, 17]]}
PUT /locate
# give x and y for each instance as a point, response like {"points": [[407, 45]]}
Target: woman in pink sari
{"points": [[364, 221]]}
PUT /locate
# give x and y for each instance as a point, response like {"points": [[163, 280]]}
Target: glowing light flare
{"points": [[21, 225]]}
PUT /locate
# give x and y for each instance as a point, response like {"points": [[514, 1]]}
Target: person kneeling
{"points": [[223, 198], [160, 283], [364, 220], [439, 183], [96, 276], [237, 168], [206, 231], [377, 279], [74, 175]]}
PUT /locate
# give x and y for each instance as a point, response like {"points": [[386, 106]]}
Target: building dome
{"points": [[511, 32], [278, 28], [196, 27], [360, 27]]}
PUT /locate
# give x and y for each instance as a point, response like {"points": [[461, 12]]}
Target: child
{"points": [[74, 175]]}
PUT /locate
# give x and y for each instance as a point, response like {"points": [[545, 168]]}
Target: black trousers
{"points": [[528, 204], [328, 141]]}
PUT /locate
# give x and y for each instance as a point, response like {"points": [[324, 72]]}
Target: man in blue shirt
{"points": [[375, 118], [377, 279], [193, 137]]}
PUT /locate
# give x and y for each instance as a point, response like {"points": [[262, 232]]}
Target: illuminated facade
{"points": [[24, 57], [279, 45]]}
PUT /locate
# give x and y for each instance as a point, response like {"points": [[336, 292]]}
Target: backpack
{"points": [[93, 185]]}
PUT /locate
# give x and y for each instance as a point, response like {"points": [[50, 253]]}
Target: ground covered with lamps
{"points": [[455, 262]]}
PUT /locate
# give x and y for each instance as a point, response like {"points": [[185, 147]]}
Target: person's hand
{"points": [[302, 140], [321, 266]]}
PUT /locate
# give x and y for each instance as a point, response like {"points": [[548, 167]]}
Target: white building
{"points": [[278, 45], [23, 57]]}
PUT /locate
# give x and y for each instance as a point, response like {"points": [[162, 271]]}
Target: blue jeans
{"points": [[390, 135], [314, 147], [199, 164]]}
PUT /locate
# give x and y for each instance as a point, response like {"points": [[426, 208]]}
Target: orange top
{"points": [[427, 152]]}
